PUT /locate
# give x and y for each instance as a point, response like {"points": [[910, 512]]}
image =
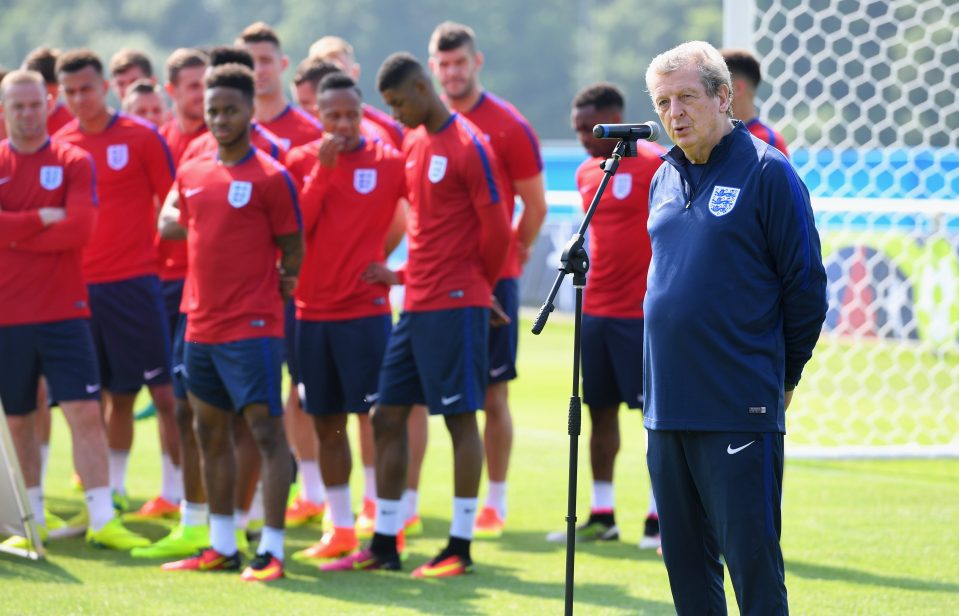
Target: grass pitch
{"points": [[859, 537]]}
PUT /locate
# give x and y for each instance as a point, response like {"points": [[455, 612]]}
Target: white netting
{"points": [[866, 93], [884, 378]]}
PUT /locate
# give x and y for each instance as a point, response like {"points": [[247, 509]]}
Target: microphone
{"points": [[630, 132]]}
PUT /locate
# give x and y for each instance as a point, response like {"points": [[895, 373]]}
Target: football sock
{"points": [[369, 482], [171, 480], [35, 496], [464, 514], [338, 498], [271, 541], [496, 497], [313, 488], [99, 507], [118, 470], [411, 504], [603, 499], [193, 514], [223, 534]]}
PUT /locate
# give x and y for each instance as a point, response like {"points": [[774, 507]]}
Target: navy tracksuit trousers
{"points": [[719, 494]]}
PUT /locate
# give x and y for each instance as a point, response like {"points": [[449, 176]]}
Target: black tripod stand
{"points": [[575, 261]]}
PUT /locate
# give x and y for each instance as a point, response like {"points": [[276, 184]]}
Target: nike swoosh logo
{"points": [[5, 180], [152, 374], [495, 372], [189, 192], [731, 451], [371, 397], [92, 388], [448, 401], [411, 164]]}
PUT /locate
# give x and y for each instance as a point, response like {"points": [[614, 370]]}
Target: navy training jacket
{"points": [[736, 292]]}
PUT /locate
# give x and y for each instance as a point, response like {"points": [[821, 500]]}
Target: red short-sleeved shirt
{"points": [[517, 149], [618, 241], [232, 215], [40, 276], [449, 176], [347, 212], [134, 171]]}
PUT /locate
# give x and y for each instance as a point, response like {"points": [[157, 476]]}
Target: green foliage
{"points": [[538, 53]]}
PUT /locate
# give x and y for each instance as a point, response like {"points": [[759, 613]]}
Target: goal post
{"points": [[866, 93]]}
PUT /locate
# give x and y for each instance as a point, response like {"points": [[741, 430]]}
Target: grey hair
{"points": [[713, 72]]}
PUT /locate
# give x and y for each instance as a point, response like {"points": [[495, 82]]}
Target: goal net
{"points": [[866, 93]]}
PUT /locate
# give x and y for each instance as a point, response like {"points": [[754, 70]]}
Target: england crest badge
{"points": [[364, 181], [622, 185], [240, 193], [51, 177], [723, 200], [118, 156], [437, 169]]}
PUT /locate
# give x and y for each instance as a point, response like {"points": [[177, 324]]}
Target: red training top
{"points": [[58, 118], [294, 127], [134, 171], [232, 215], [618, 241], [392, 130], [767, 133], [517, 149], [457, 228], [171, 254], [260, 138], [347, 211], [40, 276]]}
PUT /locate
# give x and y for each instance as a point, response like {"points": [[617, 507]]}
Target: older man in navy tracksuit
{"points": [[735, 302]]}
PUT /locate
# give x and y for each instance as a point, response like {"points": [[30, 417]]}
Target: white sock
{"points": [[35, 496], [99, 507], [389, 518], [338, 500], [241, 518], [603, 500], [464, 514], [369, 482], [192, 514], [118, 470], [313, 487], [411, 504], [222, 534], [652, 504], [44, 458], [271, 541], [171, 480], [256, 507], [496, 497]]}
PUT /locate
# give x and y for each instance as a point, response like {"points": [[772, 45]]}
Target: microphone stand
{"points": [[575, 261]]}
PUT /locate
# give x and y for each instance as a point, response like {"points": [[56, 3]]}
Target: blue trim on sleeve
{"points": [[274, 146], [306, 116], [93, 168], [487, 168], [293, 196], [770, 133], [800, 212], [523, 123]]}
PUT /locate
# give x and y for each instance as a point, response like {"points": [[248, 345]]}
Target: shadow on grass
{"points": [[535, 542], [816, 571], [39, 571], [467, 595]]}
